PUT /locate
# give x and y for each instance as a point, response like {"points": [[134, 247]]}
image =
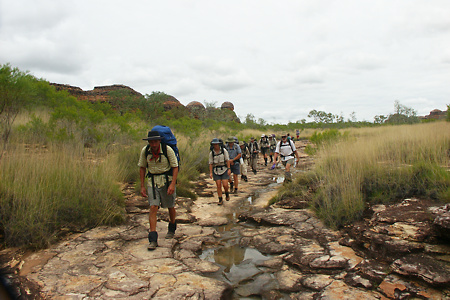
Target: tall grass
{"points": [[381, 165], [44, 190]]}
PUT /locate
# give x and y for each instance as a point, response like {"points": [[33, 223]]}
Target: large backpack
{"points": [[167, 138]]}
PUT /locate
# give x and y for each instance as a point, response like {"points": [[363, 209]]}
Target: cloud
{"points": [[222, 75]]}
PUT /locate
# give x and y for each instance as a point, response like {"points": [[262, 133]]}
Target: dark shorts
{"points": [[224, 176], [265, 150], [236, 169]]}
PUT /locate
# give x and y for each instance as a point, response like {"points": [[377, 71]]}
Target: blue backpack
{"points": [[167, 139]]}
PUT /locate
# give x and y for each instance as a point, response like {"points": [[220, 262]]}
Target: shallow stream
{"points": [[240, 266]]}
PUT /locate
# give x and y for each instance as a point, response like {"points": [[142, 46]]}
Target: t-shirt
{"points": [[233, 152], [285, 150], [219, 161], [157, 166]]}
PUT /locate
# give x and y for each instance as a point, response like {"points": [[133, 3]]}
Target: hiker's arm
{"points": [[142, 177], [229, 166], [171, 188], [210, 171]]}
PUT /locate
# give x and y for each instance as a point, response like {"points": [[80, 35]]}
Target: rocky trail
{"points": [[244, 250]]}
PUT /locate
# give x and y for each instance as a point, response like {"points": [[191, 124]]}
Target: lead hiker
{"points": [[254, 150], [287, 151], [234, 153], [162, 165], [219, 168]]}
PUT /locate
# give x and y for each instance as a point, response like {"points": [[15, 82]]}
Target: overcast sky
{"points": [[277, 60]]}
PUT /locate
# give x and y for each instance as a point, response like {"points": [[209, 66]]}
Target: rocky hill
{"points": [[196, 109]]}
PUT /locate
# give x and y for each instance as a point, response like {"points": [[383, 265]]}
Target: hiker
{"points": [[162, 165], [254, 150], [219, 168], [245, 156], [297, 133], [264, 146], [286, 150], [272, 146], [234, 153]]}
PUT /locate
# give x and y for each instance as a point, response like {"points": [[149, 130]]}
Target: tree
{"points": [[379, 119], [16, 92], [321, 116], [402, 115]]}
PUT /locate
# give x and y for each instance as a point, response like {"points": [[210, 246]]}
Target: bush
{"points": [[381, 165]]}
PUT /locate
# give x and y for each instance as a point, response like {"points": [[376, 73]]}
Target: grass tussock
{"points": [[380, 165], [46, 190]]}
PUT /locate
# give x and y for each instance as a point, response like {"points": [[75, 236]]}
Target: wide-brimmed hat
{"points": [[152, 135], [216, 141], [230, 139]]}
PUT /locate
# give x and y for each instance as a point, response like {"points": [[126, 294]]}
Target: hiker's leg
{"points": [[288, 167], [219, 187], [172, 214], [225, 185], [152, 217], [235, 176]]}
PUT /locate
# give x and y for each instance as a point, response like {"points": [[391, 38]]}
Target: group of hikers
{"points": [[158, 169]]}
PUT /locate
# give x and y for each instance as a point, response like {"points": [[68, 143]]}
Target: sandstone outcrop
{"points": [[98, 94], [227, 105], [196, 109]]}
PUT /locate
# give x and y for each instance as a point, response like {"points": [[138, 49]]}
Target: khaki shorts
{"points": [[162, 199], [289, 161]]}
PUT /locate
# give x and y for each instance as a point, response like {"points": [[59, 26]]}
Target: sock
{"points": [[172, 227], [153, 236]]}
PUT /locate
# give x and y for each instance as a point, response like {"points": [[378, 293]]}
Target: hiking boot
{"points": [[170, 235], [254, 172], [227, 196], [245, 178], [231, 186], [152, 246], [235, 191], [220, 201]]}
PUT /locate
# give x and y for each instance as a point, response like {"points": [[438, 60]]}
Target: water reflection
{"points": [[233, 256], [229, 256]]}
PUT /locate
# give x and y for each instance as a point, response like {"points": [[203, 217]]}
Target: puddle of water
{"points": [[231, 257]]}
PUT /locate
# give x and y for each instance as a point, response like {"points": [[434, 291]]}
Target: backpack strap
{"points": [[220, 153], [167, 173], [290, 145]]}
